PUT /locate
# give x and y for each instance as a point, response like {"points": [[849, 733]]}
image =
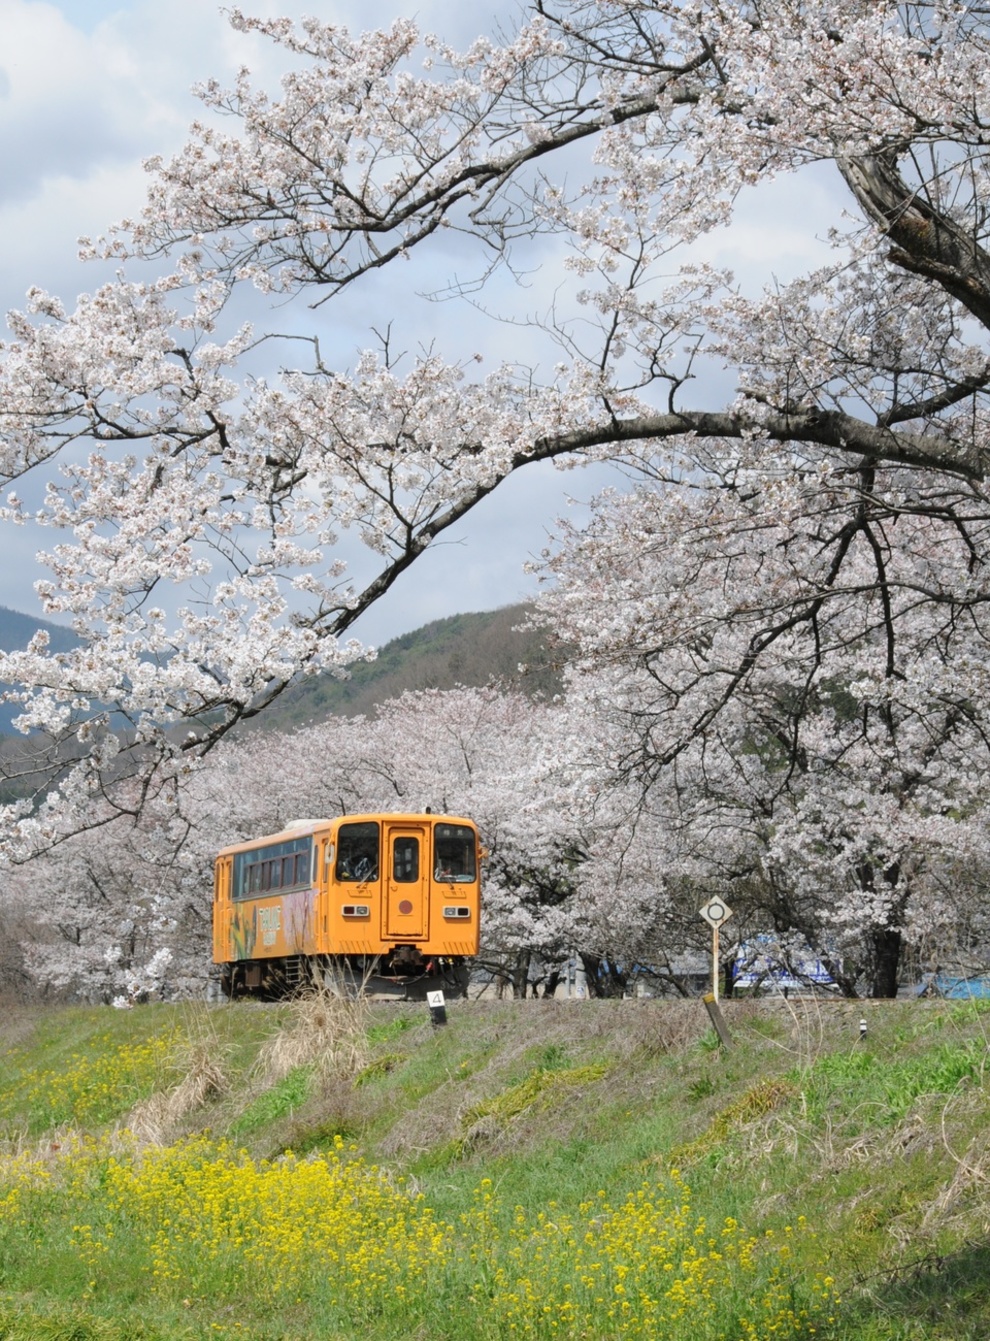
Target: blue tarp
{"points": [[954, 989]]}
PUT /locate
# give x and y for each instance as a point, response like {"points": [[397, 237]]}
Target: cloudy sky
{"points": [[89, 88]]}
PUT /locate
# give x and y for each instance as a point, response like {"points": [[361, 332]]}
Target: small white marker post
{"points": [[438, 1008], [715, 912]]}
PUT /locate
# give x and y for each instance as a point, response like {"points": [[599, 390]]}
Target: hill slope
{"points": [[604, 1161], [468, 649], [17, 630]]}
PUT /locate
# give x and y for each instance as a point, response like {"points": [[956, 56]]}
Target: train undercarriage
{"points": [[403, 975]]}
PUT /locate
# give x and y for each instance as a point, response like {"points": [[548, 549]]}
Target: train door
{"points": [[322, 854], [222, 910], [406, 912]]}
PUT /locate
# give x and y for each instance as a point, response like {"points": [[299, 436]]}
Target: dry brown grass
{"points": [[504, 1041], [159, 1119], [322, 1030], [318, 1030]]}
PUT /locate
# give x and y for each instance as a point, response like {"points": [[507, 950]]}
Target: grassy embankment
{"points": [[532, 1170]]}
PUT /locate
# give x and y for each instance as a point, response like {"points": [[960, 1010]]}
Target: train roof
{"points": [[303, 828]]}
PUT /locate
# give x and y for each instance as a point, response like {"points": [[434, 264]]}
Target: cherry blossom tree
{"points": [[794, 682], [198, 504], [119, 913], [114, 896]]}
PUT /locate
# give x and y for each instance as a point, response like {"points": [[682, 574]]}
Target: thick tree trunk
{"points": [[886, 962], [604, 978], [925, 240], [520, 975]]}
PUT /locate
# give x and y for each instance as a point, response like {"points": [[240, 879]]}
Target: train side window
{"points": [[405, 860]]}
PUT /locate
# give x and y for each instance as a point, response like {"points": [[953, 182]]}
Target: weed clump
{"points": [[321, 1030], [758, 1101], [484, 1121]]}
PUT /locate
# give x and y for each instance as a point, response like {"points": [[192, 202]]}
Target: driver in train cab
{"points": [[357, 865]]}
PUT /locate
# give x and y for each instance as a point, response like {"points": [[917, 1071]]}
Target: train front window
{"points": [[454, 853], [405, 860], [357, 851]]}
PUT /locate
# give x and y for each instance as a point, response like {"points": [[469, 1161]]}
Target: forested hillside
{"points": [[463, 650], [469, 649]]}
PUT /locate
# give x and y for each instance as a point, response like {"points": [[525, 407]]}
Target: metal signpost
{"points": [[715, 912]]}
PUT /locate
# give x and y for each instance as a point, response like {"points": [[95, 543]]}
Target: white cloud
{"points": [[73, 101]]}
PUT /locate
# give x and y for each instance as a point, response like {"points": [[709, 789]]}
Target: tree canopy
{"points": [[197, 506]]}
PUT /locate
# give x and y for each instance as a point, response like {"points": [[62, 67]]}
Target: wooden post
{"points": [[715, 964], [715, 912], [718, 1020]]}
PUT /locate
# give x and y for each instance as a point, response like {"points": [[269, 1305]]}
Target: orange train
{"points": [[386, 903]]}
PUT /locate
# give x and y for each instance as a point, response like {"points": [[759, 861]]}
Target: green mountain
{"points": [[468, 650]]}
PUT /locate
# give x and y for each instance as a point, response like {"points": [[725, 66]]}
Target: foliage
{"points": [[281, 1100], [761, 1099], [485, 1121], [898, 1085], [813, 766], [648, 1266], [379, 1067], [338, 1236], [84, 1088]]}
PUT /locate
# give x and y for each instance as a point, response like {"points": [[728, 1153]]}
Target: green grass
{"points": [[502, 1176], [284, 1097]]}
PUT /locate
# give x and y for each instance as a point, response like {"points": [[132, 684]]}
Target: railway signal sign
{"points": [[715, 912]]}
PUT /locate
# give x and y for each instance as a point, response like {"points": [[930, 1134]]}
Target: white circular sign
{"points": [[715, 912]]}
